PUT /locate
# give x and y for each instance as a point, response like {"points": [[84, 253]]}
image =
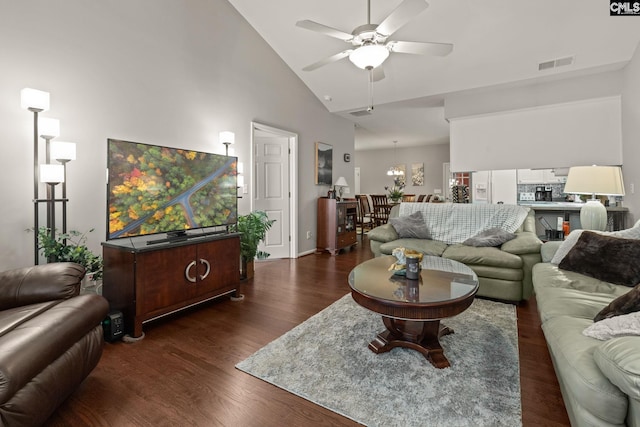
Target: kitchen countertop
{"points": [[566, 206]]}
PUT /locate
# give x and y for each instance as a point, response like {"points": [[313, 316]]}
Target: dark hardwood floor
{"points": [[183, 372]]}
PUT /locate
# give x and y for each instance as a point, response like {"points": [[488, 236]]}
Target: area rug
{"points": [[326, 361]]}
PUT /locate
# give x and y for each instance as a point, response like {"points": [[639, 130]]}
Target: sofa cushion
{"points": [[512, 274], [618, 326], [618, 360], [560, 293], [412, 226], [427, 247], [573, 355], [525, 242], [484, 256], [607, 258], [383, 233], [624, 304], [490, 238]]}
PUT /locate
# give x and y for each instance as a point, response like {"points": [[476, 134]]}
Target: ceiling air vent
{"points": [[560, 62], [361, 113]]}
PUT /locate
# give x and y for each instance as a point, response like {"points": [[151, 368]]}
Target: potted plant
{"points": [[395, 192], [254, 227], [70, 247]]}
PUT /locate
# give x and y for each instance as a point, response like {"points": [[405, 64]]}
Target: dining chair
{"points": [[421, 198], [364, 221], [381, 209]]}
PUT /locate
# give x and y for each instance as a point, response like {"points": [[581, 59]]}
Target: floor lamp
{"points": [[35, 101], [601, 180]]}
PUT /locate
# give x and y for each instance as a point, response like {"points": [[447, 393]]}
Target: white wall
{"points": [[165, 72], [631, 135], [561, 135], [375, 163]]}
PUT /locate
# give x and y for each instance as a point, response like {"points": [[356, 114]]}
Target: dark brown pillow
{"points": [[624, 304], [611, 259]]}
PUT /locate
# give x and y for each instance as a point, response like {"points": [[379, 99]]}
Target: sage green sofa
{"points": [[504, 272], [599, 380]]}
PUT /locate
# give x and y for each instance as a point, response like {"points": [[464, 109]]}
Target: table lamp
{"points": [[340, 183], [603, 180]]}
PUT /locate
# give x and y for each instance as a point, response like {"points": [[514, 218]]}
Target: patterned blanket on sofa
{"points": [[456, 222]]}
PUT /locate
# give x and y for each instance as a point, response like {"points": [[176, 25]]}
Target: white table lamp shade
{"points": [[606, 180], [49, 128], [227, 137], [63, 151], [34, 99], [52, 174], [341, 182]]}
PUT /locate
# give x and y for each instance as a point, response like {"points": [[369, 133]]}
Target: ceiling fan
{"points": [[370, 46]]}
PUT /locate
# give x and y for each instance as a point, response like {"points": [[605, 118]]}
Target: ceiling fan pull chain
{"points": [[370, 90]]}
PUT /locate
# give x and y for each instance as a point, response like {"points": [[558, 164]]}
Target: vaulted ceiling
{"points": [[495, 42]]}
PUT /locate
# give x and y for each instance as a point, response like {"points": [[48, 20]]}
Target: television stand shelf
{"points": [[151, 281]]}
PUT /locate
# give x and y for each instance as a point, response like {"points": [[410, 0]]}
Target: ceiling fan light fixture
{"points": [[369, 56]]}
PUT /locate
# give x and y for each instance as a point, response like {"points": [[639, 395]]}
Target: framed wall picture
{"points": [[324, 164], [417, 174]]}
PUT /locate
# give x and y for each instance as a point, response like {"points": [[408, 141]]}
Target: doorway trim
{"points": [[292, 178]]}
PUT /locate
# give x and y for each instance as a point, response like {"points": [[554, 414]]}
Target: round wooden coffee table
{"points": [[412, 309]]}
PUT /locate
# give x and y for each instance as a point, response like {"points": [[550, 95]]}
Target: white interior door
{"points": [[272, 187]]}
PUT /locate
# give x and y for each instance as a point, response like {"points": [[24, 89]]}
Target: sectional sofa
{"points": [[597, 363], [503, 269]]}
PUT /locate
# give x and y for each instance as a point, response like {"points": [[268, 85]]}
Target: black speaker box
{"points": [[113, 326]]}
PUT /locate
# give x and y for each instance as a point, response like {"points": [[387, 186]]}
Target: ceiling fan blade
{"points": [[402, 14], [329, 60], [328, 31], [378, 74], [420, 48]]}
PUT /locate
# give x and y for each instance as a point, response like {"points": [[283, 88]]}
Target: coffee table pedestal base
{"points": [[422, 336]]}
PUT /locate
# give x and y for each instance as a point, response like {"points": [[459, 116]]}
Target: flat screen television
{"points": [[153, 189]]}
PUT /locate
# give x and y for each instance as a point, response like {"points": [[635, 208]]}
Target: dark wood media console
{"points": [[149, 281]]}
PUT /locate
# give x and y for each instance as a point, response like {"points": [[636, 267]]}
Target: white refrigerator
{"points": [[500, 186]]}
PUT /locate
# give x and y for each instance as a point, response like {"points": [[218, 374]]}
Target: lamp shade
{"points": [[369, 56], [227, 137], [63, 151], [605, 180], [34, 100], [52, 174], [341, 182], [49, 128]]}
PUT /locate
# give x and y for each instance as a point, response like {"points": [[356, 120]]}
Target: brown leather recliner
{"points": [[51, 338]]}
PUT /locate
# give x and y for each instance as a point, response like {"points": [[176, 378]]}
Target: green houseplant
{"points": [[70, 247], [254, 227]]}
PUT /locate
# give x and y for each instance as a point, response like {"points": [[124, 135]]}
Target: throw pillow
{"points": [[572, 238], [624, 304], [606, 258], [410, 226], [619, 326], [491, 237]]}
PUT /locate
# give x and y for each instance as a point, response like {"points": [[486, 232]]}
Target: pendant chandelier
{"points": [[393, 170]]}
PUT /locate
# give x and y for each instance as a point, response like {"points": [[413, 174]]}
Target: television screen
{"points": [[154, 189]]}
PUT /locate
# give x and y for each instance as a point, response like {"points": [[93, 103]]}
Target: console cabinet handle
{"points": [[206, 264], [192, 279]]}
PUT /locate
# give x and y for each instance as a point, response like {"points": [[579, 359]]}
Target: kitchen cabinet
{"points": [[539, 176]]}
